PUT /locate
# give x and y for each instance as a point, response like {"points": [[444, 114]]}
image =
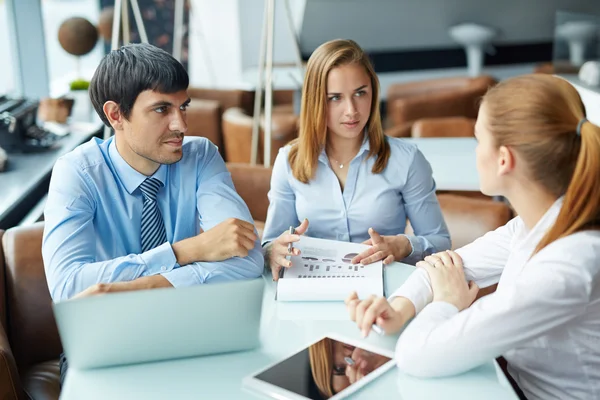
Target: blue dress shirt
{"points": [[93, 215], [404, 189]]}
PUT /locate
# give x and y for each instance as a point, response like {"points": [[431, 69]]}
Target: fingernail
{"points": [[364, 333]]}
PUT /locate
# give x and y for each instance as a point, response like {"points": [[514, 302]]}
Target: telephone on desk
{"points": [[18, 129]]}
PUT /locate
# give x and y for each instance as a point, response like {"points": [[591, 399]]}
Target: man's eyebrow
{"points": [[162, 103]]}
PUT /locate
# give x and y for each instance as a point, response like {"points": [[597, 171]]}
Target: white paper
{"points": [[324, 272]]}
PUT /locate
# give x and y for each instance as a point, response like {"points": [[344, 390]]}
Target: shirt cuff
{"points": [[417, 289], [183, 276], [158, 260]]}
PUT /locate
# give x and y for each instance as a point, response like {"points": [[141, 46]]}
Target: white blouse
{"points": [[544, 317]]}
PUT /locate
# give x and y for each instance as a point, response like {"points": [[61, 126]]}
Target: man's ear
{"points": [[113, 114], [506, 160]]}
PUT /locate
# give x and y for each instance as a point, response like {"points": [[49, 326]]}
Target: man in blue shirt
{"points": [[145, 208]]}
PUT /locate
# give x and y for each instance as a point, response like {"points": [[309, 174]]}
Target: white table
{"points": [[285, 328], [452, 160], [26, 178]]}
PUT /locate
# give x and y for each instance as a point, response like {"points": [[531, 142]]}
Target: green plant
{"points": [[80, 84]]}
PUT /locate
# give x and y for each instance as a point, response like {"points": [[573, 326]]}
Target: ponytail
{"points": [[581, 206]]}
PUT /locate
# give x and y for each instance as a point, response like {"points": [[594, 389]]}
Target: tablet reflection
{"points": [[336, 365]]}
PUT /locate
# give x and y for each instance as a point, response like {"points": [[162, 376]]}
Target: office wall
{"points": [[383, 25], [402, 34], [251, 12], [215, 43]]}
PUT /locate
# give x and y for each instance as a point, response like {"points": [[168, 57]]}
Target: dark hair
{"points": [[126, 72]]}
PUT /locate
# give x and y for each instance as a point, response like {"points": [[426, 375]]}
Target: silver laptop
{"points": [[160, 324]]}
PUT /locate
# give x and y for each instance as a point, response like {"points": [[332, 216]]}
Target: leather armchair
{"points": [[443, 127], [445, 97], [470, 218], [434, 127], [226, 98], [252, 183], [204, 119], [29, 341], [237, 134]]}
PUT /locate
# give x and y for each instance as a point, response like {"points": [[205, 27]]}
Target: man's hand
{"points": [[386, 248], [230, 238], [146, 282]]}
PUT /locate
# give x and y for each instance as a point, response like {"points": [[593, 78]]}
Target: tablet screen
{"points": [[323, 369]]}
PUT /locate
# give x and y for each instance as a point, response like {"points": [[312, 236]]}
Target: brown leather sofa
{"points": [[29, 341], [204, 119], [445, 97], [470, 218], [226, 98], [252, 183], [443, 127], [208, 105], [434, 128], [237, 134]]}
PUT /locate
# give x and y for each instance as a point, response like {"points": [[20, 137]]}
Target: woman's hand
{"points": [[390, 317], [278, 249], [448, 281], [386, 248]]}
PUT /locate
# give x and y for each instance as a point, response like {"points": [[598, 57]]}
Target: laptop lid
{"points": [[160, 324]]}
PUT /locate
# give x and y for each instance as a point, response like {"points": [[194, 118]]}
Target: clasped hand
{"points": [[231, 238], [448, 281]]}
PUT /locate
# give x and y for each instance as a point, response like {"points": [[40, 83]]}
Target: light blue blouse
{"points": [[384, 201]]}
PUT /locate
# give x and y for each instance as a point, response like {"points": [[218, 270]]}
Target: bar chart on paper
{"points": [[324, 271]]}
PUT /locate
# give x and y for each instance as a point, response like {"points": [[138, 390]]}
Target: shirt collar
{"points": [[129, 177], [365, 146]]}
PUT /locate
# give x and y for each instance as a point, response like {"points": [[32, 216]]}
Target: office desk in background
{"points": [[285, 329], [27, 176]]}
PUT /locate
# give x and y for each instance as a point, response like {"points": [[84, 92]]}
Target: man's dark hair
{"points": [[125, 73]]}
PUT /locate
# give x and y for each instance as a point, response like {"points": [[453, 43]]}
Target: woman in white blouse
{"points": [[344, 175], [536, 148]]}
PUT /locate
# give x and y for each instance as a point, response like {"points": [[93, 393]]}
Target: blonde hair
{"points": [[312, 136], [320, 355], [538, 116]]}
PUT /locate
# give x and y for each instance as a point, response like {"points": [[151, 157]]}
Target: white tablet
{"points": [[330, 368]]}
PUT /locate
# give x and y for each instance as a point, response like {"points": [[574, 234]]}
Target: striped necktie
{"points": [[153, 231]]}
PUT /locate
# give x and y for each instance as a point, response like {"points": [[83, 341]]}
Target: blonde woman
{"points": [[536, 148], [344, 176], [330, 369]]}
